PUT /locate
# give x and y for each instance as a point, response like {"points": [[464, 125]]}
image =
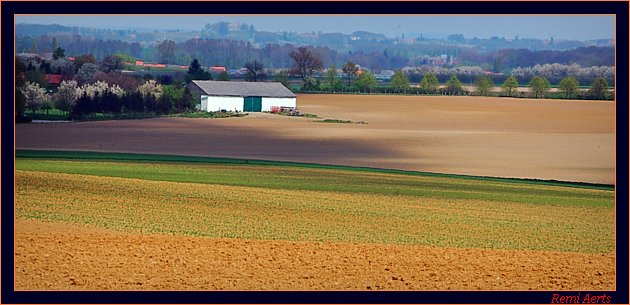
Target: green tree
{"points": [[599, 88], [124, 57], [172, 92], [112, 63], [223, 76], [539, 86], [54, 43], [194, 67], [283, 78], [484, 84], [400, 82], [186, 103], [165, 105], [195, 72], [454, 86], [350, 70], [429, 83], [333, 83], [569, 85], [311, 84], [366, 81], [510, 85], [59, 53]]}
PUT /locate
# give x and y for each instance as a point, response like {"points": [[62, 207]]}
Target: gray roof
{"points": [[227, 88]]}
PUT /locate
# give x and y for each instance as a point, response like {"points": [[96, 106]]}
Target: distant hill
{"points": [[232, 45], [23, 29]]}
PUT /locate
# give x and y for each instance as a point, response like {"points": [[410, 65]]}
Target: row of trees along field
{"points": [[306, 64], [538, 86], [91, 86]]}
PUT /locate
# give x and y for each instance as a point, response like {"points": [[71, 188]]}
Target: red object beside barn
{"points": [[218, 69], [54, 79]]}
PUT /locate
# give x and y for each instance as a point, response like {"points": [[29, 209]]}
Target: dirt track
{"points": [[545, 139], [59, 256]]}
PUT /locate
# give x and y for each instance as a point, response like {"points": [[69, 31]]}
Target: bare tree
{"points": [[255, 71], [166, 51], [350, 69], [305, 63]]}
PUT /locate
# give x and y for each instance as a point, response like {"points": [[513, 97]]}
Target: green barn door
{"points": [[252, 104]]}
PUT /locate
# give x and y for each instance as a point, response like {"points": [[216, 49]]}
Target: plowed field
{"points": [[69, 257], [545, 139], [97, 224]]}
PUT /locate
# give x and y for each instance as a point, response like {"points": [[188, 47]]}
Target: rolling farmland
{"points": [[255, 211], [411, 199]]}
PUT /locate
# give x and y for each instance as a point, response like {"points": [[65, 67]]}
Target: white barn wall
{"points": [[218, 103], [204, 103], [267, 102]]}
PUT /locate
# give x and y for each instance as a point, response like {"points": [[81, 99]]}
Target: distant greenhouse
{"points": [[242, 96]]}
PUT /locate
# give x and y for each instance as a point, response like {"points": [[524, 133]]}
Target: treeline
{"points": [[101, 99], [537, 86], [553, 72], [91, 87], [233, 53]]}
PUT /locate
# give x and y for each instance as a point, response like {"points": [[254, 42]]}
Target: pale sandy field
{"points": [[504, 137], [51, 256]]}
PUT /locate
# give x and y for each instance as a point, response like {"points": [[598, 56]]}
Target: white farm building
{"points": [[242, 96]]}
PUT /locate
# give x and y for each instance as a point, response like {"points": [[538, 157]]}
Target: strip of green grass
{"points": [[83, 155], [328, 180], [220, 211]]}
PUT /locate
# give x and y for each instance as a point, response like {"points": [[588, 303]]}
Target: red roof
{"points": [[218, 69], [54, 79]]}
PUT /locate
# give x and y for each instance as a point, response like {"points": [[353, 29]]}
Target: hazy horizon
{"points": [[539, 27]]}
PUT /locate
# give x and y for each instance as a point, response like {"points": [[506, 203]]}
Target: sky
{"points": [[541, 27]]}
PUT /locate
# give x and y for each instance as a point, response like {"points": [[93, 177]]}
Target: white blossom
{"points": [[151, 87], [67, 95], [34, 95]]}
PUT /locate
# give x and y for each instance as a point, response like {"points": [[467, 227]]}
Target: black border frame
{"points": [[9, 8]]}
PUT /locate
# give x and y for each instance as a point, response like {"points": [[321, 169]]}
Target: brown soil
{"points": [[545, 139], [51, 256]]}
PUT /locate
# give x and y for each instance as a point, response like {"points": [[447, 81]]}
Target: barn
{"points": [[242, 96]]}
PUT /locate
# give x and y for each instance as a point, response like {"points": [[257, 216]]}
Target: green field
{"points": [[306, 202]]}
